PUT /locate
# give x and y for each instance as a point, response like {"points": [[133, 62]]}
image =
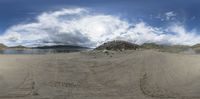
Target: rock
{"points": [[106, 52]]}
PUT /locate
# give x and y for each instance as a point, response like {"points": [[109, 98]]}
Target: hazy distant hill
{"points": [[175, 48], [61, 47], [152, 46], [165, 48], [18, 47], [2, 46]]}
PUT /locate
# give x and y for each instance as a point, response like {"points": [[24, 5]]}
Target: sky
{"points": [[92, 22]]}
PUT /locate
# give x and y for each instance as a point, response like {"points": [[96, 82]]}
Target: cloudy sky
{"points": [[92, 22]]}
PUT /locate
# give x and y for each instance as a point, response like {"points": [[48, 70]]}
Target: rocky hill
{"points": [[117, 45]]}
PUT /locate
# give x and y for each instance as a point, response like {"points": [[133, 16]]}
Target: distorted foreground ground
{"points": [[97, 75]]}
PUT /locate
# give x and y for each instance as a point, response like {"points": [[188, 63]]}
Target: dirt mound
{"points": [[117, 45]]}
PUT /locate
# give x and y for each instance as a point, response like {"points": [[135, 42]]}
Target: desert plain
{"points": [[130, 74]]}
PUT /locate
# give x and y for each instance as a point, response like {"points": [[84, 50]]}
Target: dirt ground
{"points": [[143, 74]]}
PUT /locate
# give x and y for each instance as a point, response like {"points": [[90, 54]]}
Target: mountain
{"points": [[61, 47], [165, 48], [18, 47], [117, 45], [2, 46], [152, 46]]}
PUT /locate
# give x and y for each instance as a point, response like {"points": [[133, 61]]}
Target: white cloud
{"points": [[79, 26], [170, 15]]}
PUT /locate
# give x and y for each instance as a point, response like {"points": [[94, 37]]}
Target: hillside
{"points": [[2, 46], [117, 45]]}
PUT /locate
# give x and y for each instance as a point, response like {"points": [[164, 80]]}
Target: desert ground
{"points": [[131, 74]]}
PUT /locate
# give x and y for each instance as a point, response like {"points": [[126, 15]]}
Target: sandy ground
{"points": [[97, 75]]}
